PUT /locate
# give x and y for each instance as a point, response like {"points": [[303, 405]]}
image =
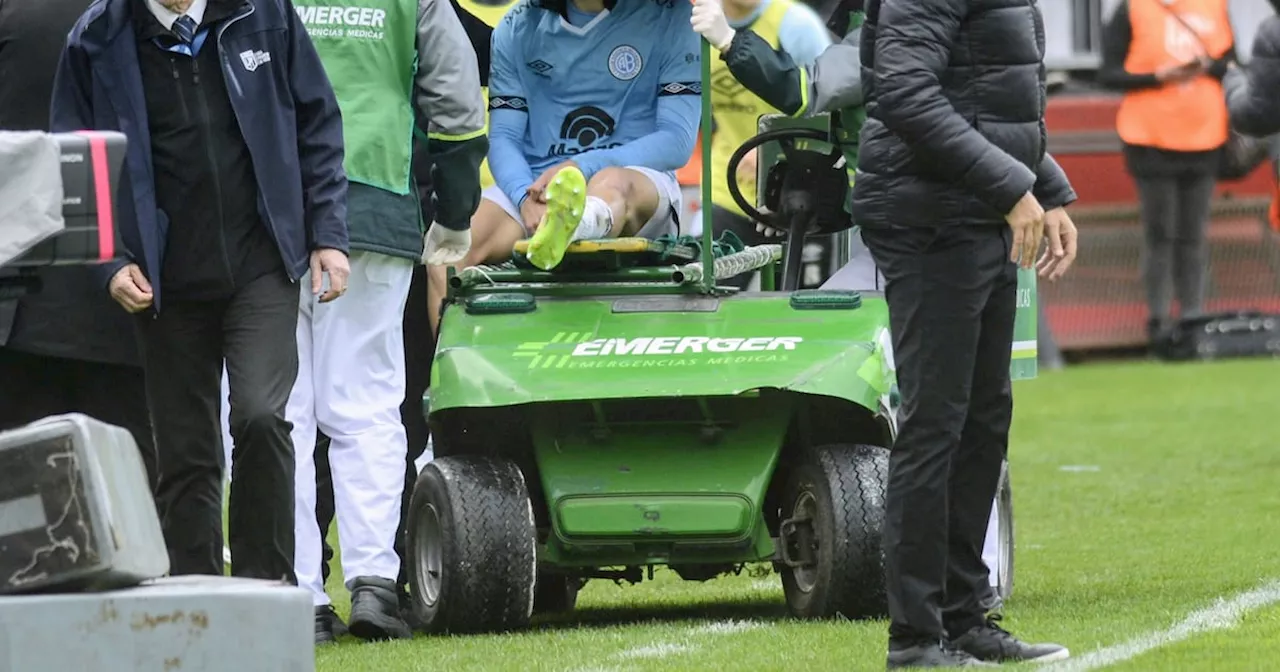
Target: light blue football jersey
{"points": [[593, 86]]}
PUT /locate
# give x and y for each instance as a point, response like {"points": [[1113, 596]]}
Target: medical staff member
{"points": [[785, 25], [387, 60]]}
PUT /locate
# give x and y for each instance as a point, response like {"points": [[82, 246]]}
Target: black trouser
{"points": [[952, 295], [184, 347], [1175, 258], [419, 349], [36, 386]]}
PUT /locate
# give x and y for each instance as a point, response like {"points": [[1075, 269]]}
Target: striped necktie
{"points": [[185, 29]]}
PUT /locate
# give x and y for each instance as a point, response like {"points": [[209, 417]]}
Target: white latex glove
{"points": [[442, 245], [708, 21]]}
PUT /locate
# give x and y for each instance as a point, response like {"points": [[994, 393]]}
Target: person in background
{"points": [[233, 200], [1253, 93], [1169, 59], [787, 26], [351, 383], [66, 348]]}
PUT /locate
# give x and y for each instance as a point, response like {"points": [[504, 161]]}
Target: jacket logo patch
{"points": [[252, 59]]}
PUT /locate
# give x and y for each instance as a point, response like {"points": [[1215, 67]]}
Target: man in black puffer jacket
{"points": [[952, 188], [1253, 94]]}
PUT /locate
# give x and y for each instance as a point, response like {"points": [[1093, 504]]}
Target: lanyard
{"points": [[191, 50]]}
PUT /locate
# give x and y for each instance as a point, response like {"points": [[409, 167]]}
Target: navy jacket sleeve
{"points": [[69, 111], [320, 148], [1052, 189], [1253, 94], [913, 46]]}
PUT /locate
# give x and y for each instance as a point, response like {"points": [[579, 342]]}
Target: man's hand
{"points": [[538, 190], [442, 245], [1027, 222], [532, 211], [1061, 233], [333, 263], [129, 287], [709, 22]]}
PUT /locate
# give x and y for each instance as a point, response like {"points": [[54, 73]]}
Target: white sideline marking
{"points": [[656, 650], [1080, 468], [766, 584], [1223, 615], [725, 627]]}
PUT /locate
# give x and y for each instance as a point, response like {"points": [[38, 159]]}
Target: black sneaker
{"points": [[375, 610], [329, 625], [993, 643], [934, 654], [407, 614]]}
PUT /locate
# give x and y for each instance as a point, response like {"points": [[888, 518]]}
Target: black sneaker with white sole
{"points": [[375, 610], [930, 654], [990, 642]]}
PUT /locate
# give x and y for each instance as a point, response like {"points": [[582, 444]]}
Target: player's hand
{"points": [[1027, 222], [130, 288], [538, 190], [532, 211], [442, 245], [709, 22], [1061, 234], [747, 168], [334, 263]]}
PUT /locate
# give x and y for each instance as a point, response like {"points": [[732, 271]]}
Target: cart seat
{"points": [[616, 253]]}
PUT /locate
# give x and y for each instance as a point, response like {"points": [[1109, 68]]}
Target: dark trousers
{"points": [[184, 347], [952, 294], [36, 386], [1175, 254], [419, 347]]}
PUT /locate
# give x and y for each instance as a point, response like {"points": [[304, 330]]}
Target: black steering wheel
{"points": [[804, 191]]}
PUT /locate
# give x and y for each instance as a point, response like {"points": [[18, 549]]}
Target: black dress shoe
{"points": [[930, 654], [328, 626], [993, 643]]}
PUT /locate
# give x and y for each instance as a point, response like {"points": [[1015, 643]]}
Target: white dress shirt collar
{"points": [[166, 17]]}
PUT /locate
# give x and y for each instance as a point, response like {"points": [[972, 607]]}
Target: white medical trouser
{"points": [[861, 274], [351, 382]]}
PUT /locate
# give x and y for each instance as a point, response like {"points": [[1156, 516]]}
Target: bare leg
{"points": [[631, 196], [493, 234]]}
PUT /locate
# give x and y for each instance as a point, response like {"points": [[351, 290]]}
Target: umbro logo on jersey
{"points": [[508, 103], [540, 67]]}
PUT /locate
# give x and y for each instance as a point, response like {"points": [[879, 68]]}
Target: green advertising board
{"points": [[1024, 360]]}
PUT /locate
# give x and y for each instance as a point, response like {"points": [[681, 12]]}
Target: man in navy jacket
{"points": [[234, 189]]}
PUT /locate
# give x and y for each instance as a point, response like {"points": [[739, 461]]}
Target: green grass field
{"points": [[1142, 493]]}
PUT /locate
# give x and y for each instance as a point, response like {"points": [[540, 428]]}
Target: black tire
{"points": [[471, 546], [843, 488], [1004, 533], [555, 593]]}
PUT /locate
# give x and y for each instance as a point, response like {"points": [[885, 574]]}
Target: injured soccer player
{"points": [[593, 107]]}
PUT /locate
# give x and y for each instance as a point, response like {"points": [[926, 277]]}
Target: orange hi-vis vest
{"points": [[1188, 116]]}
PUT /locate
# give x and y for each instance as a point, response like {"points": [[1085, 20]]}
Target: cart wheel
{"points": [[1004, 534], [832, 519], [471, 546], [555, 593]]}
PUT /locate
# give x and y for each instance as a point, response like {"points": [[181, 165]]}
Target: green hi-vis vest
{"points": [[369, 50]]}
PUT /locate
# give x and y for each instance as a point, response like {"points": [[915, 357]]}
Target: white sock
{"points": [[596, 222]]}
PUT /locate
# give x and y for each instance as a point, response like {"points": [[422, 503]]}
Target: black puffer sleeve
{"points": [[912, 48], [1253, 93]]}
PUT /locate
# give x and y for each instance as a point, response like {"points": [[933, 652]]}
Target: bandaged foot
{"points": [[566, 204], [442, 245]]}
